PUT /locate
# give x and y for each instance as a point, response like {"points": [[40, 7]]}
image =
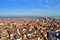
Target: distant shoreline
{"points": [[30, 17]]}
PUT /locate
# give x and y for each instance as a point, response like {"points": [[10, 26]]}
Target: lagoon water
{"points": [[29, 17]]}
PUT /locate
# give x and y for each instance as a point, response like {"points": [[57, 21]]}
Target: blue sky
{"points": [[30, 7]]}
